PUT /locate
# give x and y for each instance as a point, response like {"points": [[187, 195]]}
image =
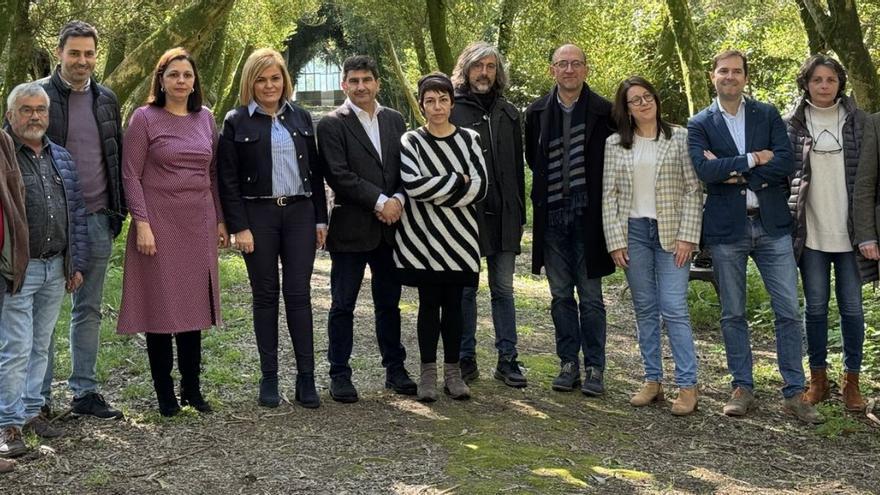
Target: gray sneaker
{"points": [[740, 402], [42, 428], [800, 407], [12, 443]]}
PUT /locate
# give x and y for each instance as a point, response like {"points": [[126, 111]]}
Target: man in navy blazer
{"points": [[740, 149], [360, 146]]}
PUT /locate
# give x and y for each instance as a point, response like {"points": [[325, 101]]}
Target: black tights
{"points": [[439, 315], [189, 359]]}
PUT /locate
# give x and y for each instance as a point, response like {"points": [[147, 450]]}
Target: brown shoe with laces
{"points": [[42, 427]]}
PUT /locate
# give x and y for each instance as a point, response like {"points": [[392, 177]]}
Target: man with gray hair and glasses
{"points": [[480, 79], [58, 254]]}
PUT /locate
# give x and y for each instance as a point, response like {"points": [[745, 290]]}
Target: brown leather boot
{"points": [[650, 392], [852, 397], [686, 402], [819, 389]]}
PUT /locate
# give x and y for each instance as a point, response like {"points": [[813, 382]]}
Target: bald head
{"points": [[570, 48]]}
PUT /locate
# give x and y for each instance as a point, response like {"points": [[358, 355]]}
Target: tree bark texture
{"points": [[814, 38], [401, 79], [187, 29], [437, 27], [840, 27], [693, 75], [20, 35]]}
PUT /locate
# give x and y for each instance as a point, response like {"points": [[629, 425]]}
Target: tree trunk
{"points": [[421, 50], [401, 79], [840, 27], [437, 25], [20, 60], [6, 22], [210, 64], [231, 99], [693, 75], [509, 8], [814, 39], [187, 29]]}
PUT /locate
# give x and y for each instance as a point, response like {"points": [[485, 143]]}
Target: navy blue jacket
{"points": [[77, 256], [244, 161], [724, 214]]}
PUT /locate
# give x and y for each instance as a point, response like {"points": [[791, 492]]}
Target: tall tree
{"points": [[687, 46], [839, 25], [22, 37], [814, 38], [506, 17], [437, 26], [187, 28]]}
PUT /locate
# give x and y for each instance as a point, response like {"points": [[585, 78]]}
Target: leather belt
{"points": [[753, 212], [280, 201], [49, 255]]}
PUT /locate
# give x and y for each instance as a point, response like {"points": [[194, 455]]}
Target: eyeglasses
{"points": [[565, 64], [829, 148], [30, 111], [641, 100]]}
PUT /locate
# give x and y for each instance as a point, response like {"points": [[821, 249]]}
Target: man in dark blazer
{"points": [[565, 148], [359, 143], [740, 149]]}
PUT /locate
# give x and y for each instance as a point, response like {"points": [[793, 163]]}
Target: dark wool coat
{"points": [[502, 215], [598, 128]]}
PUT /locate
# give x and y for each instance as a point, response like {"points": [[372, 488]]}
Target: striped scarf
{"points": [[566, 170]]}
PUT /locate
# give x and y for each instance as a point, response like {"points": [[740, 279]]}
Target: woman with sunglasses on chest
{"points": [[825, 130]]}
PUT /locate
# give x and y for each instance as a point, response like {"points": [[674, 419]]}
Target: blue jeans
{"points": [[774, 258], [85, 315], [816, 275], [579, 325], [26, 326], [346, 275], [501, 267], [659, 289]]}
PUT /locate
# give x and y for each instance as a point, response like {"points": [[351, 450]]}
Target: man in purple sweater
{"points": [[84, 118]]}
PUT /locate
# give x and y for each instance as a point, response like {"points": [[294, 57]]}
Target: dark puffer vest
{"points": [[801, 142]]}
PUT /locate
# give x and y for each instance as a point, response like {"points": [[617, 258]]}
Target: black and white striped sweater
{"points": [[438, 237]]}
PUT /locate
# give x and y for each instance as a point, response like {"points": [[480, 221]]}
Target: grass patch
{"points": [[837, 421]]}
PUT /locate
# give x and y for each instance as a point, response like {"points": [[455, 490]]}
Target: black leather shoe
{"points": [[569, 378], [305, 393], [342, 390], [93, 404], [469, 370], [508, 372], [398, 379], [269, 392]]}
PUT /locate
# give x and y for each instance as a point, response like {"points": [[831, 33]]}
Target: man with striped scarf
{"points": [[565, 145]]}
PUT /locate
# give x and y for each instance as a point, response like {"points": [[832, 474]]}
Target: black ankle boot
{"points": [[193, 397], [168, 405], [306, 394], [269, 392]]}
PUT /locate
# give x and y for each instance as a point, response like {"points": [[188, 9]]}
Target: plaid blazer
{"points": [[679, 195]]}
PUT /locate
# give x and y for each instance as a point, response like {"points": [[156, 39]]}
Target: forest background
{"points": [[503, 441]]}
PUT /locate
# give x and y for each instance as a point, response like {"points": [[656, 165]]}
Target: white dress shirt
{"points": [[736, 124]]}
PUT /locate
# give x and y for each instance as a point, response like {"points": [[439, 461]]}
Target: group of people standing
{"points": [[614, 185]]}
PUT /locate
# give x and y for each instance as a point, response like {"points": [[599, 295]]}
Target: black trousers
{"points": [[439, 316], [286, 233], [189, 359], [346, 276]]}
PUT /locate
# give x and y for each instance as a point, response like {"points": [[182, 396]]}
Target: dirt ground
{"points": [[504, 440]]}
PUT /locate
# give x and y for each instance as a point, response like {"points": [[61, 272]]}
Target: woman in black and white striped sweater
{"points": [[437, 249]]}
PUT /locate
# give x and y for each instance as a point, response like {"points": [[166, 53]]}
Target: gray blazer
{"points": [[358, 176]]}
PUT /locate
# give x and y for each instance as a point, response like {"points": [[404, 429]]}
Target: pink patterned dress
{"points": [[170, 178]]}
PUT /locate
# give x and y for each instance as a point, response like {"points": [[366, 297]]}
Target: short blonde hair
{"points": [[255, 64]]}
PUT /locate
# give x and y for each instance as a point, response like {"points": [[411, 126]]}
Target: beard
{"points": [[481, 85], [32, 132]]}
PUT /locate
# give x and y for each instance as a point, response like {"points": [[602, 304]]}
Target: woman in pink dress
{"points": [[170, 284]]}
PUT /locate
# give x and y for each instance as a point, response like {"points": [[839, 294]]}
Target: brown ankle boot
{"points": [[852, 397], [819, 389], [650, 392], [686, 402]]}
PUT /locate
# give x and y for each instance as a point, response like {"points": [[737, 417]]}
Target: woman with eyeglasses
{"points": [[825, 130], [652, 213]]}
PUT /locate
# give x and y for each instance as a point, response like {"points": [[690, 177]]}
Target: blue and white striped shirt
{"points": [[286, 180]]}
